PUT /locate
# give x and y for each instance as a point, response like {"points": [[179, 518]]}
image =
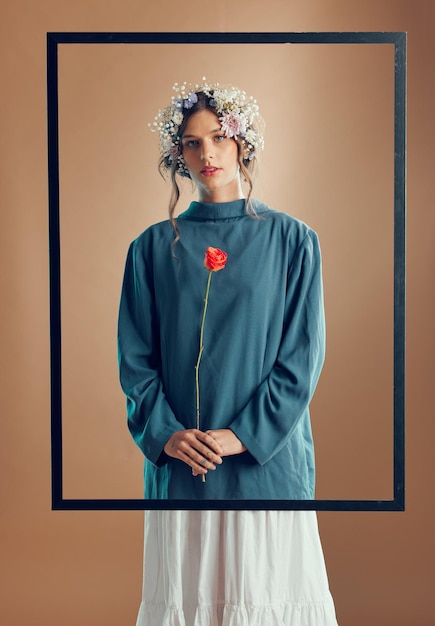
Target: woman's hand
{"points": [[195, 448], [228, 442]]}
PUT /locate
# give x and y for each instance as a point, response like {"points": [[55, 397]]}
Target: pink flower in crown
{"points": [[233, 124], [173, 152]]}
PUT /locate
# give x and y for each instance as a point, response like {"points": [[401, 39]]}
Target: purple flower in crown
{"points": [[191, 99], [233, 124], [178, 104]]}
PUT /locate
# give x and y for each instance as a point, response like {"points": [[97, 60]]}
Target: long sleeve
{"points": [[270, 417], [150, 418]]}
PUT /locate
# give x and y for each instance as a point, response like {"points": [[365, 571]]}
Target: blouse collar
{"points": [[215, 210]]}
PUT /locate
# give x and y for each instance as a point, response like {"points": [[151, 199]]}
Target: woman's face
{"points": [[211, 158]]}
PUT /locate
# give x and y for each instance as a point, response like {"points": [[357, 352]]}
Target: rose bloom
{"points": [[214, 259]]}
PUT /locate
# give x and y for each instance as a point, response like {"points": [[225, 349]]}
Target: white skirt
{"points": [[234, 568]]}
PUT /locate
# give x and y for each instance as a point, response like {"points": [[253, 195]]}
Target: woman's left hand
{"points": [[228, 441]]}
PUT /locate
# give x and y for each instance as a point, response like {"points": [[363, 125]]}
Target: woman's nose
{"points": [[206, 152]]}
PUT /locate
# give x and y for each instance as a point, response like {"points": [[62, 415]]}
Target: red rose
{"points": [[214, 259]]}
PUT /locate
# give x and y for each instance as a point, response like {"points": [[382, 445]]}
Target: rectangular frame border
{"points": [[399, 39]]}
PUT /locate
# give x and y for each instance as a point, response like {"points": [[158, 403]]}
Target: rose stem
{"points": [[201, 348]]}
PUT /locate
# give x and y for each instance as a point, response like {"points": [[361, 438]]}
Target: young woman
{"points": [[220, 354]]}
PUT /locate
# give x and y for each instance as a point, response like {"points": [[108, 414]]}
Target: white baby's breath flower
{"points": [[251, 136]]}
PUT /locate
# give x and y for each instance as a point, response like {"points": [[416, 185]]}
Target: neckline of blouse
{"points": [[217, 210]]}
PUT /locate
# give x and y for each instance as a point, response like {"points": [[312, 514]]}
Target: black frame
{"points": [[399, 41]]}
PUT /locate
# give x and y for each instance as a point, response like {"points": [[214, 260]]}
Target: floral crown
{"points": [[238, 114]]}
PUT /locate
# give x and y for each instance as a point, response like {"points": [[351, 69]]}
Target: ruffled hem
{"points": [[287, 614]]}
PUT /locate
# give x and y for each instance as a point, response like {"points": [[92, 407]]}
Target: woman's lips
{"points": [[209, 171]]}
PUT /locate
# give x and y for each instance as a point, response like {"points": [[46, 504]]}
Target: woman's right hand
{"points": [[195, 448]]}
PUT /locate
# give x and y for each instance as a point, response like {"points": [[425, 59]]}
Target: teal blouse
{"points": [[264, 342]]}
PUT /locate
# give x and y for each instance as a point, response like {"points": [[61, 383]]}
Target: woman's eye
{"points": [[191, 143], [219, 138]]}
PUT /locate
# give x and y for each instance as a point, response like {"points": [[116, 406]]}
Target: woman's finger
{"points": [[197, 467], [210, 442], [188, 446], [197, 441]]}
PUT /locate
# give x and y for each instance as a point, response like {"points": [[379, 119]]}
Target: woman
{"points": [[218, 389]]}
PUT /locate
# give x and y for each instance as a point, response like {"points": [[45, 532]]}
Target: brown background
{"points": [[330, 149], [85, 567]]}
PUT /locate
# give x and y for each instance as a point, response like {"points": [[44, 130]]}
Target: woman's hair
{"points": [[239, 118]]}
